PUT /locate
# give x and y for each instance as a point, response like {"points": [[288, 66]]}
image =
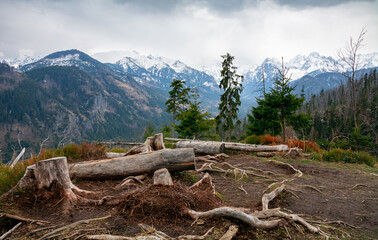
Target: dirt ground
{"points": [[326, 193]]}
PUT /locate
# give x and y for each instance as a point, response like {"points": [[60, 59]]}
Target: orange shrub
{"points": [[270, 140], [304, 145]]}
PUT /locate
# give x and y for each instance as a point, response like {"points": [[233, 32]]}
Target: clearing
{"points": [[340, 199]]}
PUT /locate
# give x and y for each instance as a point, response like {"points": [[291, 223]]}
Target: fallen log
{"points": [[114, 154], [202, 147], [255, 148], [172, 159], [237, 146]]}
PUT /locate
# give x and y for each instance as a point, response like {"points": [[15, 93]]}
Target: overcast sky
{"points": [[196, 32]]}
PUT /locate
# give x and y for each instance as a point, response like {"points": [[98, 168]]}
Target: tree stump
{"points": [[153, 143], [52, 177]]}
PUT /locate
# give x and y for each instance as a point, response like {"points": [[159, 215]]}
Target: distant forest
{"points": [[332, 116]]}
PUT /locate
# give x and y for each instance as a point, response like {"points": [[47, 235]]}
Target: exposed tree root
{"points": [[253, 218], [241, 188], [266, 198], [130, 180], [211, 167], [231, 232], [311, 187], [10, 231], [7, 215], [149, 234], [54, 232], [298, 173], [205, 180], [233, 213], [359, 185], [276, 212]]}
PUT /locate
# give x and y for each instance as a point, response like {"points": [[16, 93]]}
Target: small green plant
{"points": [[348, 156], [317, 156], [254, 139], [221, 196], [189, 176]]}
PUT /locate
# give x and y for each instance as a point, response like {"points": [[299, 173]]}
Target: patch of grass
{"points": [[348, 156], [189, 176], [118, 150], [169, 144], [10, 177], [221, 196]]}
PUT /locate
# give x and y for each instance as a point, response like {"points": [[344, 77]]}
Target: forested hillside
{"points": [[67, 104], [332, 114]]}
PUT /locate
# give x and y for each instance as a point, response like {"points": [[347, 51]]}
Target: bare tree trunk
{"points": [[172, 159], [202, 147]]}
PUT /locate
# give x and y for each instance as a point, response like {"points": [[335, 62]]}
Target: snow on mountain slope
{"points": [[65, 58], [299, 66], [20, 61]]}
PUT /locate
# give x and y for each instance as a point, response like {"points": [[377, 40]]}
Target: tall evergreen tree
{"points": [[230, 99], [178, 99], [278, 108]]}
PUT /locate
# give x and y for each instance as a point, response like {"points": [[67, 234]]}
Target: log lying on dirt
{"points": [[172, 159], [114, 154], [202, 147], [255, 148], [153, 143], [230, 146]]}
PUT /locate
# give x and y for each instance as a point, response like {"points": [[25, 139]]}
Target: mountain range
{"points": [[69, 94]]}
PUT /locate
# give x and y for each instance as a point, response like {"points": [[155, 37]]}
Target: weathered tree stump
{"points": [[153, 143], [52, 176]]}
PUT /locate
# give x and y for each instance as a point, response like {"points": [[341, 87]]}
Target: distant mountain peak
{"points": [[71, 57]]}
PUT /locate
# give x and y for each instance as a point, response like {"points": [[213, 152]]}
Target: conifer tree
{"points": [[230, 99], [178, 99], [194, 121], [277, 109]]}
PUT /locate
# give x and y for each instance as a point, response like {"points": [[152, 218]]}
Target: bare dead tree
{"points": [[263, 80], [41, 147], [349, 56]]}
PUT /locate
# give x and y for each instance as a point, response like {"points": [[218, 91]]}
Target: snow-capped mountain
{"points": [[20, 61], [65, 58], [311, 73], [160, 71]]}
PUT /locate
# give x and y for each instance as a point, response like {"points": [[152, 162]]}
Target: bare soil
{"points": [[346, 194]]}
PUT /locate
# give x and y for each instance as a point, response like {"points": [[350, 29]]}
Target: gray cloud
{"points": [[315, 3], [194, 31]]}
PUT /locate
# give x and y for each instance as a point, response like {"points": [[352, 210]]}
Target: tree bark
{"points": [[14, 161], [239, 146], [202, 147], [172, 159], [256, 148], [153, 143], [52, 175]]}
